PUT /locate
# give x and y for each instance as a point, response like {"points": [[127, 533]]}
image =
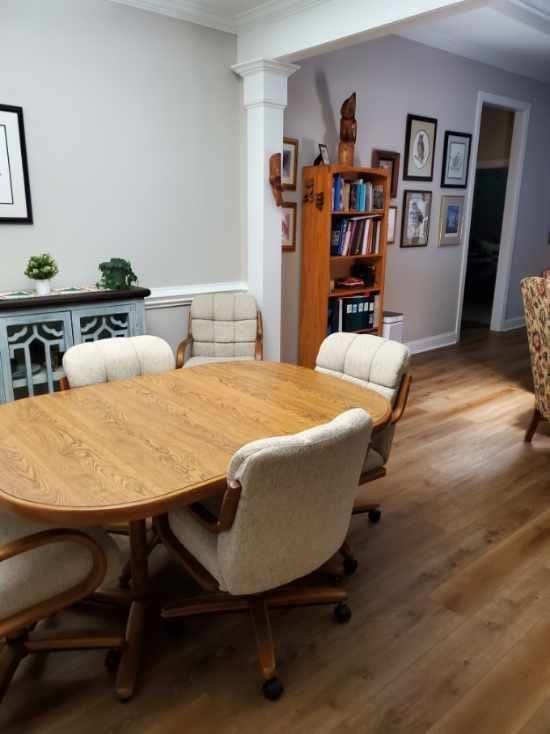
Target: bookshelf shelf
{"points": [[319, 267]]}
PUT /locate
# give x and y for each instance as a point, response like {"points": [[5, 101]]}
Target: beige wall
{"points": [[495, 134]]}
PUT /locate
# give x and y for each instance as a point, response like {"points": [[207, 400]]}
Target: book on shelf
{"points": [[353, 313], [355, 236], [352, 195]]}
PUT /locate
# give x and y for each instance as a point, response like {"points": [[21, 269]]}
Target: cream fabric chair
{"points": [[122, 358], [42, 571], [285, 513], [222, 327], [536, 302]]}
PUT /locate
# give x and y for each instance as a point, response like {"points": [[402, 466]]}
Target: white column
{"points": [[265, 98]]}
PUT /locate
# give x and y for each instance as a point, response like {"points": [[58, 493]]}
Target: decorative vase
{"points": [[43, 287]]}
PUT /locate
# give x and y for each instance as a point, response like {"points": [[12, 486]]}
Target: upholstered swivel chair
{"points": [[536, 301], [43, 571], [382, 365], [222, 327], [285, 512]]}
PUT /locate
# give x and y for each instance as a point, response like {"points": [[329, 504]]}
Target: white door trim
{"points": [[511, 205]]}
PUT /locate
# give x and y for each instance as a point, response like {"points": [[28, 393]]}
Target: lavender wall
{"points": [[392, 77]]}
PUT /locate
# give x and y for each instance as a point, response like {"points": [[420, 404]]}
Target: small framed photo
{"points": [[288, 223], [451, 220], [323, 154], [15, 192], [456, 160], [289, 171], [415, 223], [392, 220], [389, 160], [420, 139]]}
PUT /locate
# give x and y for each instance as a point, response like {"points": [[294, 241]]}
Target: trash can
{"points": [[393, 326]]}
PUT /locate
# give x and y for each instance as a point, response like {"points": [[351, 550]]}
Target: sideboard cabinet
{"points": [[36, 332]]}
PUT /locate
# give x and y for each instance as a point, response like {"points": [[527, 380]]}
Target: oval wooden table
{"points": [[126, 451]]}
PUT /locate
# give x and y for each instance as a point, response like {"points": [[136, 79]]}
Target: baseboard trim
{"points": [[182, 295], [516, 323], [433, 342]]}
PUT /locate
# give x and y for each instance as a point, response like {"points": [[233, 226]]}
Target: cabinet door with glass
{"points": [[104, 322], [32, 347]]}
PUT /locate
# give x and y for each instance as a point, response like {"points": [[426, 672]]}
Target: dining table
{"points": [[131, 450]]}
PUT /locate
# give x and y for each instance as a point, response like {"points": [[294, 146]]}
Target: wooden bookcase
{"points": [[318, 267]]}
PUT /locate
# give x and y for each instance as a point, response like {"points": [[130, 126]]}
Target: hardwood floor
{"points": [[451, 605]]}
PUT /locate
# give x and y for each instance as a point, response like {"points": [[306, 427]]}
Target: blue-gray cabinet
{"points": [[36, 332]]}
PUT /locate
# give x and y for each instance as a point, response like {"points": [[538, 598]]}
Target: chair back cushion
{"points": [[224, 325], [536, 301], [296, 502], [366, 360], [121, 358]]}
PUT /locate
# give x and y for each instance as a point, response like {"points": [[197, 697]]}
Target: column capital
{"points": [[264, 82]]}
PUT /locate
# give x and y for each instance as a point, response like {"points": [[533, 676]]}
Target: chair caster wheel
{"points": [[273, 689], [350, 566], [342, 613], [112, 660], [375, 516]]}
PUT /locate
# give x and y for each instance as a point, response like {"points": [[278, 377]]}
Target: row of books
{"points": [[355, 236], [359, 195], [353, 313]]}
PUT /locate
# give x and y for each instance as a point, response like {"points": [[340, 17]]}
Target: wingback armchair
{"points": [[222, 327], [536, 301]]}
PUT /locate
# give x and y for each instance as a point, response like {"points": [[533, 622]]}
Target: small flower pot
{"points": [[43, 287]]}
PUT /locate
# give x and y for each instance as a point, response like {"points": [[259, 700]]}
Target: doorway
{"points": [[498, 148]]}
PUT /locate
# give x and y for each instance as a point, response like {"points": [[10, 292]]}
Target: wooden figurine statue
{"points": [[348, 131], [275, 178]]}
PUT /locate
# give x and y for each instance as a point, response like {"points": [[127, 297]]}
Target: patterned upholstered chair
{"points": [[43, 571], [285, 512], [222, 327], [536, 301]]}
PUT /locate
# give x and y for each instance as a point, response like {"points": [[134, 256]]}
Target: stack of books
{"points": [[353, 313], [359, 195], [355, 236]]}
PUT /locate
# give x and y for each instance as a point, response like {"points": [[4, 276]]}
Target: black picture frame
{"points": [[404, 214], [28, 219], [411, 118], [388, 155], [468, 138]]}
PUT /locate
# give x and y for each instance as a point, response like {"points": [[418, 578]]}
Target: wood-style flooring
{"points": [[451, 605]]}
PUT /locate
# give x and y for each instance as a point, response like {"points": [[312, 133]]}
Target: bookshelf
{"points": [[320, 265]]}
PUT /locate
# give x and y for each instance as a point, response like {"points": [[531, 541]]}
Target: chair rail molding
{"points": [[182, 295]]}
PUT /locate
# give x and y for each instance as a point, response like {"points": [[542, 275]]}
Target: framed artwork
{"points": [[323, 156], [288, 221], [420, 140], [451, 220], [456, 160], [389, 160], [392, 219], [415, 223], [289, 164], [15, 192]]}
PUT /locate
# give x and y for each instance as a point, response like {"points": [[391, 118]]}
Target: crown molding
{"points": [[273, 10], [533, 7], [189, 10]]}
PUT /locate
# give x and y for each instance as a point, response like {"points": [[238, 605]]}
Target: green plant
{"points": [[41, 267], [116, 274]]}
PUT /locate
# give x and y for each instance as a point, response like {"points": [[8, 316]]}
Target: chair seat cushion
{"points": [[196, 361], [373, 461], [201, 543], [37, 575]]}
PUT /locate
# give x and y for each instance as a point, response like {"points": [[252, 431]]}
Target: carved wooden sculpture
{"points": [[275, 178], [348, 131]]}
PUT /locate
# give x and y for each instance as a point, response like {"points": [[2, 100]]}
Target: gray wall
{"points": [[392, 77], [133, 125]]}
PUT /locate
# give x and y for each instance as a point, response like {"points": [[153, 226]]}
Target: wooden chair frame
{"points": [[214, 602], [17, 628], [188, 341]]}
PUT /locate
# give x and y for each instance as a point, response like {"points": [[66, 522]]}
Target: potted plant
{"points": [[41, 269]]}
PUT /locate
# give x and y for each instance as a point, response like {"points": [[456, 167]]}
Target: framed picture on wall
{"points": [[420, 138], [456, 160], [451, 220], [415, 223], [392, 219], [389, 160], [288, 221], [290, 164], [15, 192]]}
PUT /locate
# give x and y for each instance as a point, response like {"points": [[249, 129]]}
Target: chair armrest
{"points": [[64, 599], [228, 510], [402, 398], [259, 351], [182, 349]]}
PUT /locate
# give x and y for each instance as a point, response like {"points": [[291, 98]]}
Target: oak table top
{"points": [[128, 450]]}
